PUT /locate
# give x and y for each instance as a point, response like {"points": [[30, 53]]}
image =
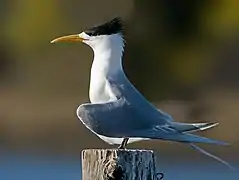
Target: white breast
{"points": [[100, 90]]}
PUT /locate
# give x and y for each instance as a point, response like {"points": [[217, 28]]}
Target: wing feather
{"points": [[112, 119]]}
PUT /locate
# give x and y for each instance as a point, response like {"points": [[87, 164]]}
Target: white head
{"points": [[107, 36], [107, 43]]}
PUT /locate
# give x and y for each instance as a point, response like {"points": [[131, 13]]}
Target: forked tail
{"points": [[212, 156], [189, 128]]}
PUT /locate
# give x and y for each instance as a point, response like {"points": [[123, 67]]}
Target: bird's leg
{"points": [[124, 143]]}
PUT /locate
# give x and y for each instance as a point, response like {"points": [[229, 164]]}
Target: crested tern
{"points": [[118, 113]]}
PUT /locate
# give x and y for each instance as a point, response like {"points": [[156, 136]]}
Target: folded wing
{"points": [[113, 119]]}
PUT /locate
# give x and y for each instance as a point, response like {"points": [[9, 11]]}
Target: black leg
{"points": [[124, 143]]}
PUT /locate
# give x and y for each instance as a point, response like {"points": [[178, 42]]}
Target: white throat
{"points": [[107, 63]]}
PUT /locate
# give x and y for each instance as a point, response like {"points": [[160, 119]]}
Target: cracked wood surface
{"points": [[116, 164]]}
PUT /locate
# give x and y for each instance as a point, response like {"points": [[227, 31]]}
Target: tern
{"points": [[118, 113]]}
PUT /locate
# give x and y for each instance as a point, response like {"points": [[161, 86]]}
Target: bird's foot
{"points": [[124, 143]]}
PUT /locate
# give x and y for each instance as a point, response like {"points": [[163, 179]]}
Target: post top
{"points": [[121, 150]]}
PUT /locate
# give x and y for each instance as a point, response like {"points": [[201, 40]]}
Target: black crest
{"points": [[111, 27]]}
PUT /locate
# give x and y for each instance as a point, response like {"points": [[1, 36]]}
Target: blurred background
{"points": [[182, 55]]}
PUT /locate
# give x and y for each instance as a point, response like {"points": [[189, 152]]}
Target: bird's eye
{"points": [[89, 33]]}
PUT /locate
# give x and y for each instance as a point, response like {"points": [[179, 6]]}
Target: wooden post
{"points": [[117, 164]]}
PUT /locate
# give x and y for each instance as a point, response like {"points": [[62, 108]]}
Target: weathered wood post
{"points": [[118, 164]]}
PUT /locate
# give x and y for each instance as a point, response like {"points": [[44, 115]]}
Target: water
{"points": [[25, 167]]}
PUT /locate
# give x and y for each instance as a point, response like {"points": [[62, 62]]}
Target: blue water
{"points": [[25, 167]]}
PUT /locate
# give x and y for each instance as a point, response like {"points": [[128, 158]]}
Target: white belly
{"points": [[118, 141]]}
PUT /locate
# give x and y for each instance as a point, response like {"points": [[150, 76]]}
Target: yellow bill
{"points": [[69, 38]]}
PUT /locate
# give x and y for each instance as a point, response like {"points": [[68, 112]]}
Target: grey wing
{"points": [[123, 88], [113, 119]]}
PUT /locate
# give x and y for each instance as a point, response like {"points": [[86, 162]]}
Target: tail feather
{"points": [[192, 127], [172, 135], [211, 155], [191, 138]]}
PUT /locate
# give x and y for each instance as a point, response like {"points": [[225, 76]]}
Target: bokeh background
{"points": [[182, 55]]}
